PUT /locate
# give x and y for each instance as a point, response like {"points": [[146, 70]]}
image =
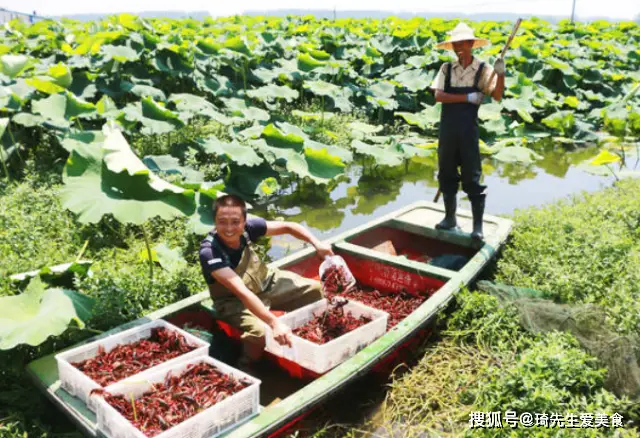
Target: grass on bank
{"points": [[580, 250]]}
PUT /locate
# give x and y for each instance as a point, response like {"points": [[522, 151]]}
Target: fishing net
{"points": [[453, 262], [587, 323]]}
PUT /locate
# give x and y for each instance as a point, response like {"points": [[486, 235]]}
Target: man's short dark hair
{"points": [[229, 201]]}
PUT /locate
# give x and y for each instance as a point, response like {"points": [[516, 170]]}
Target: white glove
{"points": [[498, 67], [475, 98]]}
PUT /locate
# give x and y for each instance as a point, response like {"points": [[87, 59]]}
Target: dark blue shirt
{"points": [[214, 254]]}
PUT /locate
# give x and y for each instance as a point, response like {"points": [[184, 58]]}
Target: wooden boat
{"points": [[289, 393]]}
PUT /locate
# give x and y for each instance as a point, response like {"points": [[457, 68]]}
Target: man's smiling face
{"points": [[230, 225], [463, 48]]}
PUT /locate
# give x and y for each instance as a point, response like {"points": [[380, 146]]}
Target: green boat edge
{"points": [[43, 371]]}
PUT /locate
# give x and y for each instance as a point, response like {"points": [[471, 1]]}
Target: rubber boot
{"points": [[477, 209], [449, 222]]}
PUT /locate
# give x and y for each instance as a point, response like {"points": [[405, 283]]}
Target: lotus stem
{"points": [[113, 230], [4, 165], [631, 93], [245, 68], [98, 332], [13, 140], [84, 247], [612, 172], [322, 113], [148, 244], [87, 329]]}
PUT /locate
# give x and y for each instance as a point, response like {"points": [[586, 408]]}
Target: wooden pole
{"points": [[506, 46]]}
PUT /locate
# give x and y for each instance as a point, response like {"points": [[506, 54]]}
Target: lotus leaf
{"points": [[107, 178], [36, 314], [517, 154], [272, 92], [170, 259], [386, 156], [240, 154]]}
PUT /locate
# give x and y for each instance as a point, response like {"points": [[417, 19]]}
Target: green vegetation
{"points": [[588, 253], [40, 232], [487, 363], [232, 90]]}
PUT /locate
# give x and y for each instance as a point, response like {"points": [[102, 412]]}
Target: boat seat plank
{"points": [[427, 217], [397, 261]]}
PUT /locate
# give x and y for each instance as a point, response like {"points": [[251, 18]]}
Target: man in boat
{"points": [[242, 287], [461, 87]]}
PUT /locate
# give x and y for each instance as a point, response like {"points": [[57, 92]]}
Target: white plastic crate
{"points": [[211, 422], [322, 358], [78, 384]]}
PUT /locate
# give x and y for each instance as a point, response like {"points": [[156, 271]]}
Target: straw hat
{"points": [[462, 32]]}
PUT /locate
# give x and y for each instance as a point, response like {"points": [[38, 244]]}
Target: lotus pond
{"points": [[117, 135]]}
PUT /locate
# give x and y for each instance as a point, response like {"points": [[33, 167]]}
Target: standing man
{"points": [[461, 87], [242, 286]]}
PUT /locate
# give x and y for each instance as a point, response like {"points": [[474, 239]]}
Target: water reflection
{"points": [[368, 191], [557, 159]]}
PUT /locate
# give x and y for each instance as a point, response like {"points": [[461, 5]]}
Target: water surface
{"points": [[367, 192]]}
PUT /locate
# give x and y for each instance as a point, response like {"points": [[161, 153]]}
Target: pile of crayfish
{"points": [[128, 359], [331, 323], [179, 398], [398, 306], [335, 279]]}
